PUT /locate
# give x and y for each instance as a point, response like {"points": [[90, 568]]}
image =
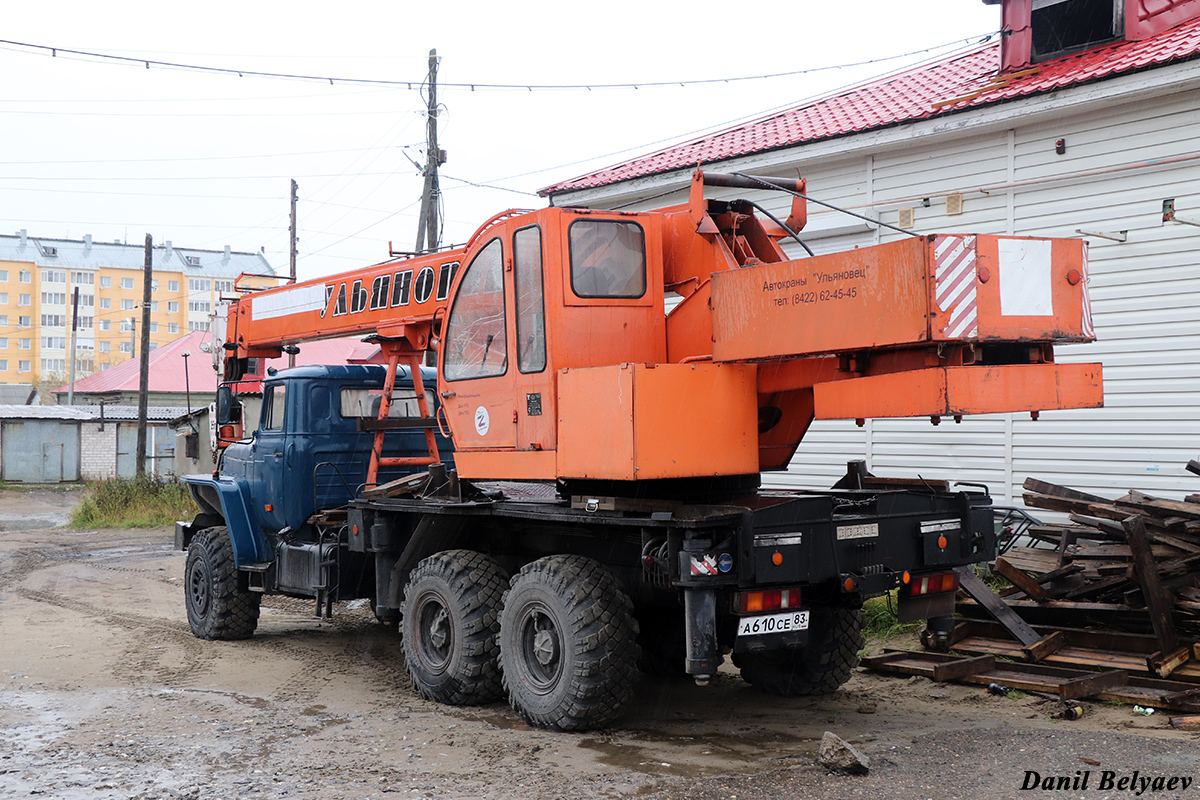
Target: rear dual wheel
{"points": [[450, 621], [819, 667], [568, 646]]}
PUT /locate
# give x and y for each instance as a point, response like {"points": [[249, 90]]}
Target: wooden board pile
{"points": [[1130, 563]]}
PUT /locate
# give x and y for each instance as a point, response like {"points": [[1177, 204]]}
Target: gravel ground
{"points": [[104, 693]]}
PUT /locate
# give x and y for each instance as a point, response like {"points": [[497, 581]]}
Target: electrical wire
{"points": [[473, 86], [806, 198]]}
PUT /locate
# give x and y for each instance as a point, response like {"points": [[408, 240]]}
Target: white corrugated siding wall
{"points": [[1145, 301], [1145, 292]]}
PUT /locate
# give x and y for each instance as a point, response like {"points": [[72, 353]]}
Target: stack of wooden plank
{"points": [[1132, 563]]}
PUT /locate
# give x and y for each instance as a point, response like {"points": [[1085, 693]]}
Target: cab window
{"points": [[475, 341], [531, 308], [363, 403], [608, 258], [273, 404]]}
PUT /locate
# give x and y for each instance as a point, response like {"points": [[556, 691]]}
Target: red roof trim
{"points": [[956, 83]]}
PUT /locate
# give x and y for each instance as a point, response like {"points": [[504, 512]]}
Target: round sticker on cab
{"points": [[482, 422]]}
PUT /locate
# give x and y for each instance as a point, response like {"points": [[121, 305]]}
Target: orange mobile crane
{"points": [[607, 456]]}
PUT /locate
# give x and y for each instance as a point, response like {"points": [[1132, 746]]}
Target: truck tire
{"points": [[450, 617], [568, 644], [216, 607], [819, 667]]}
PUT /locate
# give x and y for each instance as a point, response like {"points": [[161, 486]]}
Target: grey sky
{"points": [[204, 160]]}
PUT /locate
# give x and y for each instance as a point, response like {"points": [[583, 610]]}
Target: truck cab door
{"points": [[479, 394], [269, 458]]}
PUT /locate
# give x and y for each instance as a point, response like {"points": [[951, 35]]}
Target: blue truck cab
{"points": [[272, 514]]}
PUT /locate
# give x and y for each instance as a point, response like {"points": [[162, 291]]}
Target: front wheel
{"points": [[216, 607], [449, 620], [568, 644], [819, 667]]}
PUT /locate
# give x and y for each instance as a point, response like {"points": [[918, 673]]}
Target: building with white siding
{"points": [[1091, 128]]}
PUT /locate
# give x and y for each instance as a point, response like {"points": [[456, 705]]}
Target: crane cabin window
{"points": [[608, 258], [531, 307], [475, 331]]}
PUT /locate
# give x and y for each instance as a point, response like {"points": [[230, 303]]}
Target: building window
{"points": [[54, 276], [105, 302], [126, 347], [172, 286], [192, 261], [154, 345], [3, 365], [1059, 27], [87, 300], [3, 298], [223, 286], [199, 285], [106, 347], [197, 326], [105, 282], [25, 300], [153, 306], [54, 320], [172, 307], [128, 305], [24, 322], [3, 342], [83, 278], [24, 344], [126, 283], [105, 325], [85, 322], [172, 327], [154, 285], [4, 275], [54, 365], [126, 326], [199, 307], [154, 327], [104, 365], [54, 342], [4, 320], [54, 298], [22, 366], [26, 276]]}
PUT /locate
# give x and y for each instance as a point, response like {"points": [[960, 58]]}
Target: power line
{"points": [[471, 86]]}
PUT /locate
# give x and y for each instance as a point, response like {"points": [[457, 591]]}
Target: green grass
{"points": [[879, 619], [133, 503]]}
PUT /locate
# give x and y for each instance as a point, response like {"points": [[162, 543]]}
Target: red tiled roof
{"points": [[956, 83], [167, 363]]}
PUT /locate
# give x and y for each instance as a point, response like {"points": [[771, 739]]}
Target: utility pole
{"points": [[144, 379], [427, 227], [292, 254], [74, 336]]}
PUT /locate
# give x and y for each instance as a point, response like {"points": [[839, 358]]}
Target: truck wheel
{"points": [[819, 667], [449, 621], [216, 607], [568, 644]]}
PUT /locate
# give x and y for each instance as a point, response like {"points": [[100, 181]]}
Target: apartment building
{"points": [[39, 276]]}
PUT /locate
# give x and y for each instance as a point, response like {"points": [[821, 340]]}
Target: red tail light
{"points": [[933, 584], [768, 600]]}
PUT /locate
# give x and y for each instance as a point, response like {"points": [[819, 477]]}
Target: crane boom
{"points": [[556, 359]]}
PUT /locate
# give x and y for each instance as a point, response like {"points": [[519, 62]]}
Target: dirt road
{"points": [[104, 693]]}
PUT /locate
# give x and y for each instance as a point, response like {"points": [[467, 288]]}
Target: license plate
{"points": [[773, 623]]}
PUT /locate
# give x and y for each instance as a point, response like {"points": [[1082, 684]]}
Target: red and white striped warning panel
{"points": [[704, 566], [954, 276], [1088, 329]]}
